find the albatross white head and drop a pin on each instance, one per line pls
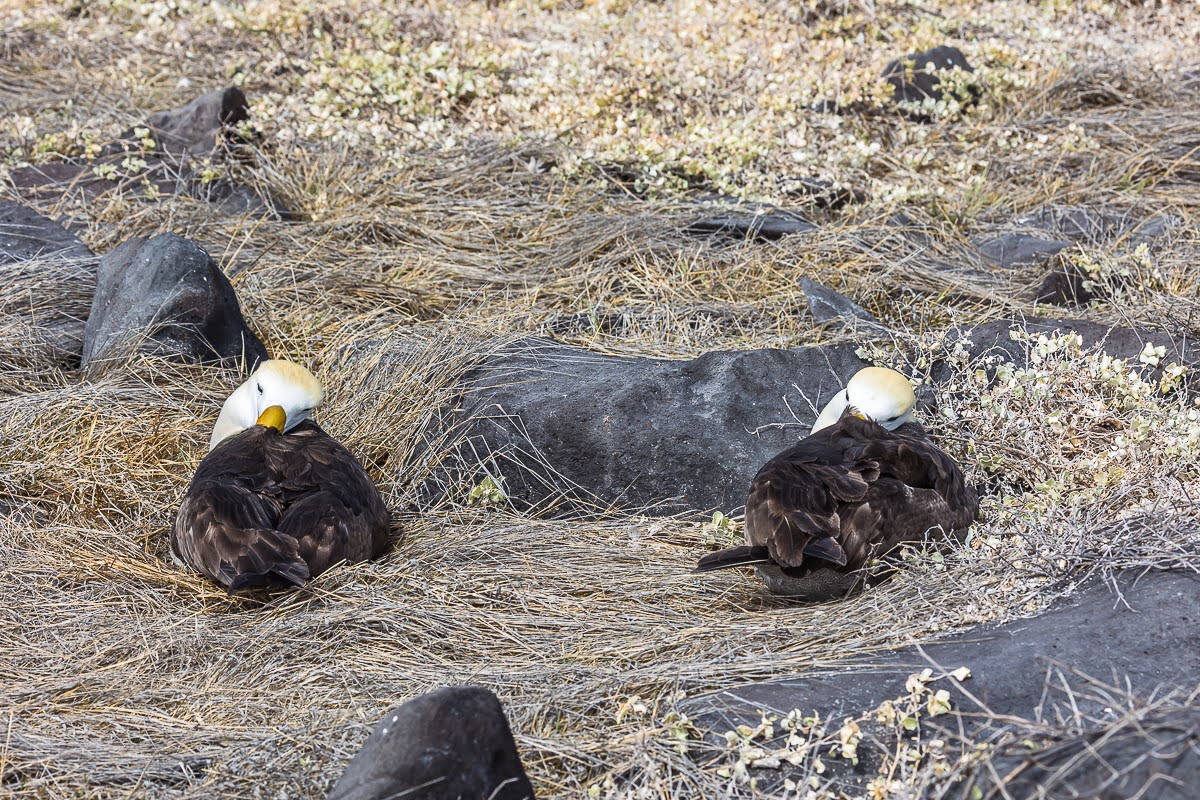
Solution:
(876, 393)
(276, 386)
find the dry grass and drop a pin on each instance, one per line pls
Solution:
(480, 205)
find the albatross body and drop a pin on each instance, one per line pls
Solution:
(276, 499)
(866, 480)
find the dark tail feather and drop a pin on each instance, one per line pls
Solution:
(296, 574)
(273, 558)
(732, 557)
(827, 548)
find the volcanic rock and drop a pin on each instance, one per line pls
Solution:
(756, 221)
(826, 305)
(449, 744)
(662, 436)
(1148, 621)
(1119, 341)
(195, 128)
(130, 166)
(915, 78)
(51, 276)
(1098, 225)
(165, 295)
(1016, 249)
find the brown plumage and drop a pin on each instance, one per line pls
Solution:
(276, 499)
(844, 495)
(267, 507)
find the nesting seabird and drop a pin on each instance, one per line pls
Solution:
(866, 480)
(277, 499)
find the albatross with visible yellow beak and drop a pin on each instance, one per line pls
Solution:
(276, 500)
(866, 480)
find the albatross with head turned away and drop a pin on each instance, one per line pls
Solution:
(276, 500)
(866, 480)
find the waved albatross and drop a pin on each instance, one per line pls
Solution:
(866, 480)
(276, 499)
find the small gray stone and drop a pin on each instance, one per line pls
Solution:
(915, 77)
(1065, 284)
(166, 295)
(1098, 225)
(25, 235)
(1153, 229)
(757, 221)
(822, 193)
(1077, 223)
(825, 304)
(194, 128)
(450, 744)
(1011, 250)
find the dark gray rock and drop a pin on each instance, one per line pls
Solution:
(1153, 228)
(915, 78)
(1014, 249)
(557, 421)
(199, 129)
(757, 221)
(1066, 283)
(1098, 225)
(1077, 223)
(449, 744)
(826, 305)
(822, 193)
(993, 338)
(1151, 753)
(195, 127)
(237, 200)
(26, 235)
(48, 183)
(1155, 620)
(1149, 635)
(166, 295)
(51, 276)
(917, 233)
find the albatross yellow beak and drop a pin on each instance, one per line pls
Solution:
(273, 417)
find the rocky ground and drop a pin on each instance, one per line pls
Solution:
(570, 273)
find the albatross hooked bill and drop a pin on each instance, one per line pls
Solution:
(273, 417)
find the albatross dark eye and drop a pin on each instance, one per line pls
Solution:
(260, 391)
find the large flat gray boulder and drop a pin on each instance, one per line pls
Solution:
(1141, 633)
(560, 422)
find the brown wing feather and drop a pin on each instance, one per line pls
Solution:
(227, 532)
(799, 496)
(331, 506)
(856, 491)
(264, 505)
